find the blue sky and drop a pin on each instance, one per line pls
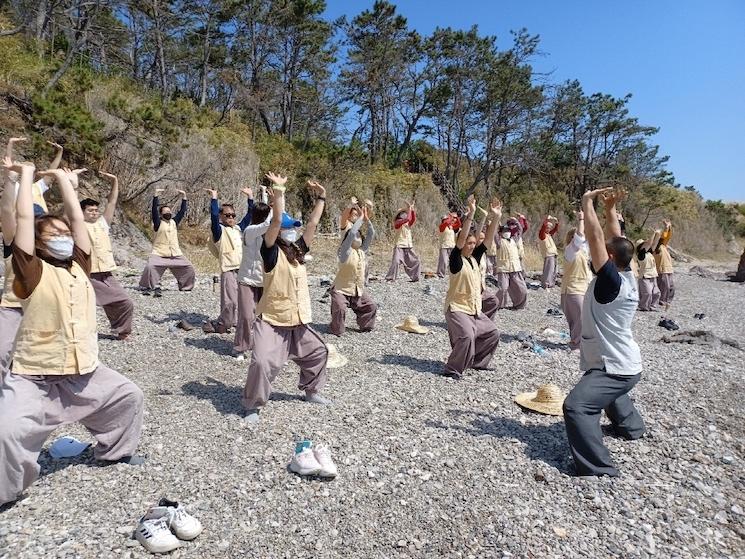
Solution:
(683, 61)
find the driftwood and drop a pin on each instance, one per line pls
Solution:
(699, 337)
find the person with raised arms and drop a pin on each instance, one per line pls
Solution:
(649, 292)
(282, 329)
(110, 294)
(473, 335)
(56, 377)
(403, 248)
(609, 356)
(11, 310)
(167, 253)
(449, 226)
(549, 228)
(576, 278)
(40, 187)
(508, 268)
(664, 263)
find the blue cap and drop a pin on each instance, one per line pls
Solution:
(289, 222)
(38, 211)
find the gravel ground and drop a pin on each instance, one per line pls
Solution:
(428, 466)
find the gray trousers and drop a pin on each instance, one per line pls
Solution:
(667, 288)
(649, 294)
(410, 261)
(117, 305)
(273, 346)
(443, 262)
(571, 306)
(489, 302)
(491, 265)
(362, 305)
(473, 340)
(248, 298)
(32, 407)
(179, 266)
(597, 391)
(10, 320)
(512, 284)
(228, 302)
(550, 271)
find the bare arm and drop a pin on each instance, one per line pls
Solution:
(495, 209)
(8, 204)
(593, 229)
(57, 156)
(315, 215)
(278, 196)
(11, 144)
(24, 234)
(465, 230)
(108, 213)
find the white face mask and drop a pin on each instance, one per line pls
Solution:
(60, 247)
(506, 235)
(289, 235)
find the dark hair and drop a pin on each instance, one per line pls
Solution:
(292, 252)
(222, 208)
(622, 250)
(260, 213)
(88, 202)
(160, 209)
(41, 222)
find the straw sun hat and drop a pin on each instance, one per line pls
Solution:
(335, 359)
(547, 399)
(411, 324)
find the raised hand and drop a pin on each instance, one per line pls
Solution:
(211, 191)
(182, 193)
(277, 180)
(368, 204)
(365, 213)
(316, 188)
(15, 166)
(74, 176)
(495, 208)
(593, 194)
(54, 173)
(248, 192)
(159, 191)
(78, 171)
(17, 140)
(353, 200)
(54, 144)
(471, 205)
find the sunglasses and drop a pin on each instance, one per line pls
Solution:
(228, 216)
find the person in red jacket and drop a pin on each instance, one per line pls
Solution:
(449, 227)
(403, 249)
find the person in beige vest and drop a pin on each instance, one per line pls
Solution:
(664, 263)
(489, 300)
(166, 253)
(56, 377)
(348, 289)
(508, 268)
(403, 247)
(282, 329)
(649, 293)
(473, 335)
(227, 248)
(577, 276)
(549, 251)
(449, 227)
(110, 294)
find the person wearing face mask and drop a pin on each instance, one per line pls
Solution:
(649, 293)
(56, 377)
(664, 264)
(508, 269)
(167, 253)
(609, 356)
(449, 226)
(489, 301)
(549, 251)
(349, 215)
(110, 294)
(403, 249)
(577, 276)
(282, 328)
(473, 335)
(348, 289)
(226, 247)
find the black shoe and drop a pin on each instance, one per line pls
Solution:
(146, 292)
(157, 292)
(452, 375)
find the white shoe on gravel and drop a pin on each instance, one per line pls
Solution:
(155, 535)
(304, 463)
(184, 525)
(322, 454)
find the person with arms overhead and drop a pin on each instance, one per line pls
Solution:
(449, 227)
(403, 249)
(664, 263)
(549, 228)
(649, 293)
(576, 278)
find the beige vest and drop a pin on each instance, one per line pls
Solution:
(635, 267)
(508, 257)
(664, 261)
(577, 275)
(350, 279)
(547, 246)
(403, 237)
(464, 292)
(102, 255)
(447, 238)
(58, 333)
(166, 239)
(228, 250)
(9, 298)
(286, 300)
(647, 267)
(520, 250)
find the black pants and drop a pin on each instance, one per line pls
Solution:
(597, 391)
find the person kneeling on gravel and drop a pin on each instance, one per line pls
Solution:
(349, 285)
(473, 335)
(56, 378)
(282, 329)
(609, 355)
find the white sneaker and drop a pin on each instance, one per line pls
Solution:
(154, 535)
(322, 454)
(184, 525)
(304, 463)
(239, 356)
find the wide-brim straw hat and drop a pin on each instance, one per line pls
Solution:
(335, 359)
(548, 399)
(411, 324)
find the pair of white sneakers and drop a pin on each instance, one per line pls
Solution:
(313, 461)
(161, 528)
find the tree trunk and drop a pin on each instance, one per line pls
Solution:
(205, 64)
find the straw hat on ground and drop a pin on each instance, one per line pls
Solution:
(411, 324)
(335, 359)
(547, 399)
